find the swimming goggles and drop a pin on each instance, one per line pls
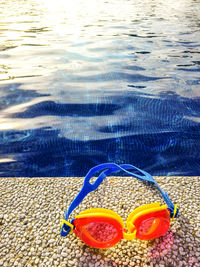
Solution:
(103, 228)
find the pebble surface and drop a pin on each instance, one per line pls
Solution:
(31, 210)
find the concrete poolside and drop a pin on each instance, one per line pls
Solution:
(31, 210)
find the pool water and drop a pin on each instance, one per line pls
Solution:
(88, 82)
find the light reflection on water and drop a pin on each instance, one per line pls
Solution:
(86, 82)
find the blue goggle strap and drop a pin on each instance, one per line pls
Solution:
(108, 169)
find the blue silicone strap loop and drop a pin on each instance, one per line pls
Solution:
(107, 169)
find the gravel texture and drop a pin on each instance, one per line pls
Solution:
(31, 210)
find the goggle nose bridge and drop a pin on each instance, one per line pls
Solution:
(129, 236)
(130, 226)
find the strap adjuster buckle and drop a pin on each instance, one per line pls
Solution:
(175, 212)
(66, 228)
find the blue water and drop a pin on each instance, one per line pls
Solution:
(87, 82)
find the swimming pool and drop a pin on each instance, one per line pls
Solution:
(87, 82)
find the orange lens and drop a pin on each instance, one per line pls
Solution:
(152, 225)
(149, 226)
(99, 232)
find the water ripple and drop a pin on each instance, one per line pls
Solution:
(86, 82)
